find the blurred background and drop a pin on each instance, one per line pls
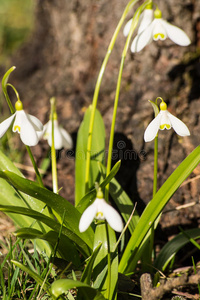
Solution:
(16, 23)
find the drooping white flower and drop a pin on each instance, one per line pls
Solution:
(61, 136)
(145, 20)
(159, 29)
(165, 120)
(26, 125)
(101, 210)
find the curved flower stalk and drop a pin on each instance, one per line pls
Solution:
(101, 210)
(158, 29)
(26, 125)
(61, 136)
(165, 120)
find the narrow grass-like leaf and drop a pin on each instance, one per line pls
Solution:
(87, 273)
(62, 286)
(55, 201)
(50, 223)
(97, 152)
(173, 246)
(155, 207)
(33, 274)
(66, 248)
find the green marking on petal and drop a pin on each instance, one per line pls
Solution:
(163, 126)
(17, 128)
(99, 215)
(162, 36)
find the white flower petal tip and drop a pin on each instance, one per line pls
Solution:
(176, 34)
(61, 136)
(101, 210)
(6, 124)
(179, 127)
(127, 28)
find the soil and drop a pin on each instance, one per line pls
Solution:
(62, 58)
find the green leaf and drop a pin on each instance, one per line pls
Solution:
(55, 201)
(62, 286)
(87, 273)
(50, 223)
(9, 196)
(155, 207)
(66, 248)
(100, 269)
(97, 152)
(89, 197)
(172, 247)
(33, 274)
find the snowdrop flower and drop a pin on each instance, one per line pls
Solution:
(26, 125)
(61, 136)
(144, 21)
(165, 120)
(159, 29)
(101, 210)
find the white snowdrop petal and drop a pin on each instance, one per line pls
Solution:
(176, 34)
(152, 129)
(87, 217)
(178, 126)
(5, 125)
(143, 39)
(145, 19)
(35, 122)
(127, 27)
(165, 122)
(18, 121)
(27, 132)
(159, 32)
(113, 218)
(58, 139)
(67, 140)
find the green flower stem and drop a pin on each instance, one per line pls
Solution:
(53, 150)
(97, 88)
(126, 47)
(155, 177)
(37, 173)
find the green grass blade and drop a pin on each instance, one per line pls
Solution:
(155, 207)
(50, 223)
(172, 247)
(55, 201)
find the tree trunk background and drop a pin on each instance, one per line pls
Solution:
(62, 58)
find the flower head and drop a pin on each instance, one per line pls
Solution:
(61, 136)
(159, 29)
(26, 125)
(101, 210)
(165, 120)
